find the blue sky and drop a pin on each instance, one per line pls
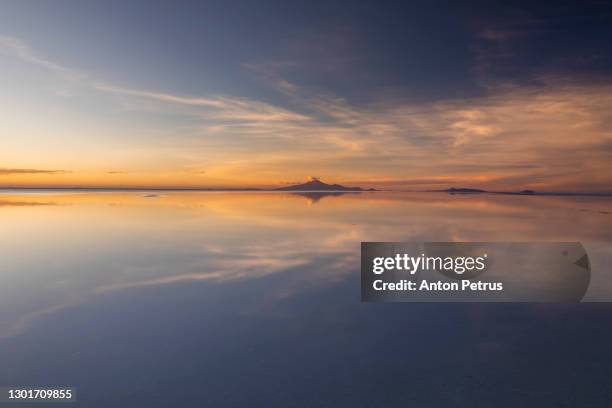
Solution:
(401, 94)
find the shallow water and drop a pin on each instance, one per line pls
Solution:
(252, 299)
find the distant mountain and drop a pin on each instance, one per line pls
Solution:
(522, 192)
(462, 190)
(528, 192)
(318, 185)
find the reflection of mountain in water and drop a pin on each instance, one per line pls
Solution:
(314, 197)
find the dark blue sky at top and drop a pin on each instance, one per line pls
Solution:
(419, 50)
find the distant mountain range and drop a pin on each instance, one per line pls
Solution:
(462, 190)
(318, 185)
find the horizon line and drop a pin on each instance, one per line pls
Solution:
(255, 189)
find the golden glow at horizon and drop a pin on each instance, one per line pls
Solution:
(94, 134)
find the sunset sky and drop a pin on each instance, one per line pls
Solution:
(413, 95)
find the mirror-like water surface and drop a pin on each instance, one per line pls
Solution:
(252, 299)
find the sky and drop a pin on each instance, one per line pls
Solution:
(400, 95)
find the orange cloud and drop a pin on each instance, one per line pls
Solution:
(5, 171)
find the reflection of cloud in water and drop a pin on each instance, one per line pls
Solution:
(223, 271)
(23, 322)
(8, 203)
(93, 248)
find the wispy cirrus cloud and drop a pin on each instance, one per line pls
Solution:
(217, 107)
(23, 51)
